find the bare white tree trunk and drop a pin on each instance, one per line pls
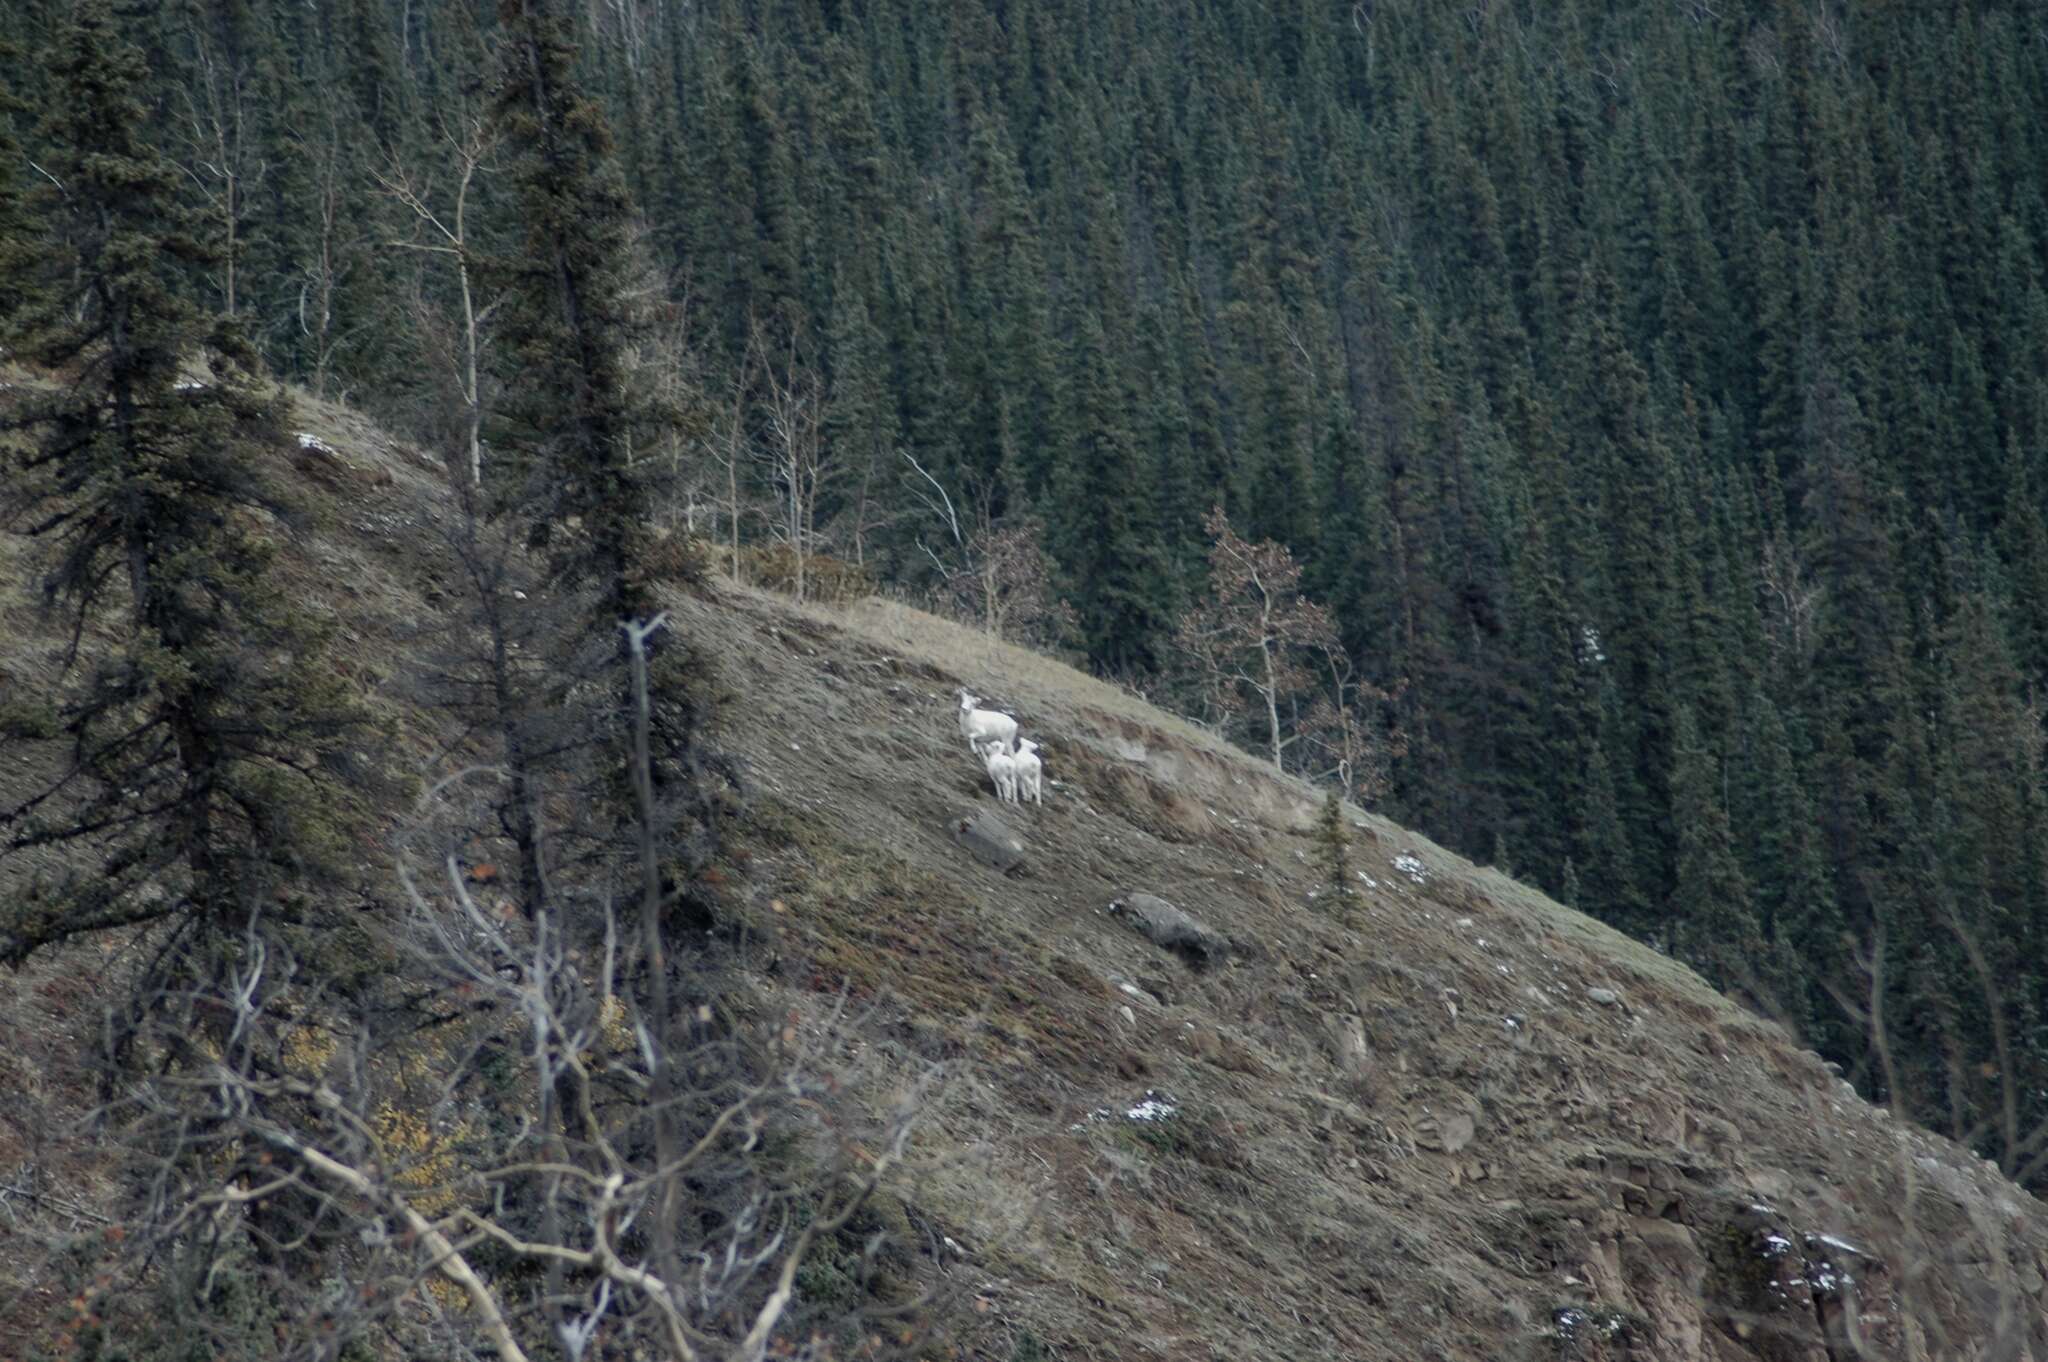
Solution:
(472, 148)
(222, 162)
(1270, 690)
(798, 456)
(331, 261)
(729, 446)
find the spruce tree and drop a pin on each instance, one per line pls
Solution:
(1333, 855)
(1712, 920)
(20, 229)
(1103, 533)
(571, 319)
(201, 738)
(580, 417)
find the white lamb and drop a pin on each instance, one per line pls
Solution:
(1002, 769)
(1028, 772)
(985, 728)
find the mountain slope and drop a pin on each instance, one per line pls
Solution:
(1433, 1131)
(1466, 1123)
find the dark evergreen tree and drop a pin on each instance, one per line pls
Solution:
(581, 416)
(1102, 533)
(20, 227)
(201, 743)
(1333, 852)
(1712, 921)
(573, 318)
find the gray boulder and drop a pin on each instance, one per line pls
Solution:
(988, 839)
(1168, 927)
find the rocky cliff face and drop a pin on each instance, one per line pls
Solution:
(1196, 1105)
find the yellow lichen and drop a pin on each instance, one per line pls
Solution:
(612, 1024)
(424, 1161)
(307, 1051)
(446, 1294)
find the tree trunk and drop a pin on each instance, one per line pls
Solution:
(1271, 690)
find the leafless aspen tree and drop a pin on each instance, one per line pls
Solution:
(1342, 726)
(222, 161)
(334, 254)
(1005, 580)
(729, 445)
(929, 493)
(794, 449)
(444, 231)
(1252, 634)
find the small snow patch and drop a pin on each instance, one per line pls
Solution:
(1829, 1241)
(1153, 1108)
(1412, 868)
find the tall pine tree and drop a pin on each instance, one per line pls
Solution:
(201, 739)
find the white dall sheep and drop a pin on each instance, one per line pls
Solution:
(1002, 769)
(1028, 771)
(985, 729)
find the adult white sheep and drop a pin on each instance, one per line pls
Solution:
(1002, 769)
(985, 729)
(1029, 770)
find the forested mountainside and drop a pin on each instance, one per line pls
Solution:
(1654, 396)
(1382, 1105)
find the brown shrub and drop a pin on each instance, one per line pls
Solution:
(828, 580)
(679, 559)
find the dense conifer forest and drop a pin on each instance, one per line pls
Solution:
(1652, 394)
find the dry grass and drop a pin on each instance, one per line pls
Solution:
(1403, 1134)
(1496, 1146)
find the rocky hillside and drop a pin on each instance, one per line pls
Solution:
(1448, 1119)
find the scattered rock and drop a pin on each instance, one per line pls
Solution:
(1448, 1133)
(1132, 991)
(1606, 997)
(1168, 927)
(988, 839)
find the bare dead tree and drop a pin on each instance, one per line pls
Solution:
(672, 370)
(647, 1201)
(931, 495)
(868, 512)
(1005, 581)
(1792, 602)
(729, 444)
(444, 231)
(223, 161)
(1342, 726)
(334, 255)
(1251, 636)
(795, 452)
